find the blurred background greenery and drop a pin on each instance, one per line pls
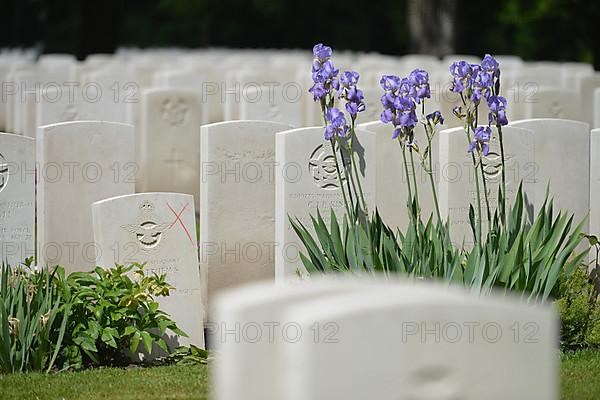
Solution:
(562, 30)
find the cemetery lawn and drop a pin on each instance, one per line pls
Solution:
(579, 374)
(168, 382)
(579, 381)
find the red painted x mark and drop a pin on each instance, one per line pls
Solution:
(178, 218)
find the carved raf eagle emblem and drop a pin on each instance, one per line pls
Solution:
(148, 231)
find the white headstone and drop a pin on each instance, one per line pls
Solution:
(547, 73)
(17, 198)
(596, 101)
(255, 315)
(9, 91)
(306, 181)
(373, 107)
(573, 72)
(587, 85)
(169, 146)
(158, 229)
(237, 207)
(205, 81)
(239, 81)
(427, 345)
(595, 183)
(553, 103)
(64, 104)
(276, 104)
(79, 163)
(457, 177)
(392, 191)
(561, 148)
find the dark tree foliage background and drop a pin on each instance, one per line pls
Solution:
(533, 29)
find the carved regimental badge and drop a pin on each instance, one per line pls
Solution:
(3, 172)
(148, 229)
(70, 113)
(174, 111)
(492, 163)
(556, 109)
(322, 167)
(273, 112)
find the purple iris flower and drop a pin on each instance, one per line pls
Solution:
(336, 123)
(326, 73)
(404, 104)
(390, 83)
(355, 102)
(419, 80)
(462, 76)
(497, 115)
(322, 52)
(490, 65)
(325, 78)
(482, 85)
(387, 100)
(481, 140)
(406, 89)
(407, 119)
(318, 91)
(406, 115)
(398, 132)
(349, 79)
(435, 118)
(460, 69)
(387, 116)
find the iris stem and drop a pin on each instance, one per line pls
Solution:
(414, 175)
(337, 165)
(355, 168)
(477, 189)
(432, 181)
(503, 197)
(485, 190)
(406, 172)
(339, 174)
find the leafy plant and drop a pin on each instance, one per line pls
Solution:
(514, 253)
(579, 308)
(185, 355)
(425, 250)
(34, 311)
(114, 316)
(521, 257)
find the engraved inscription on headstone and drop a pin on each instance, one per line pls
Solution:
(4, 173)
(70, 113)
(174, 111)
(17, 198)
(148, 229)
(322, 167)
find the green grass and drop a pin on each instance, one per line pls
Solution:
(579, 376)
(172, 382)
(579, 381)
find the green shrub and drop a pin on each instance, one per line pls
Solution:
(114, 316)
(33, 318)
(98, 318)
(519, 256)
(578, 303)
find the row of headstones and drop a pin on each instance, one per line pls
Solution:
(166, 132)
(365, 339)
(244, 86)
(253, 175)
(68, 199)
